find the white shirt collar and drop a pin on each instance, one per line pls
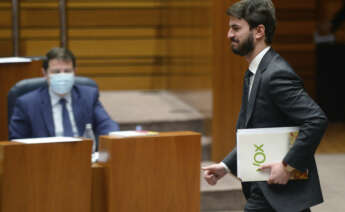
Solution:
(254, 65)
(54, 98)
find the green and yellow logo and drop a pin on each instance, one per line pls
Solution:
(259, 156)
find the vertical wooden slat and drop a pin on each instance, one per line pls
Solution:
(15, 27)
(63, 23)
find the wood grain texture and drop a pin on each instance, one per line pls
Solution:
(161, 31)
(228, 73)
(6, 47)
(10, 74)
(51, 177)
(188, 31)
(156, 173)
(99, 189)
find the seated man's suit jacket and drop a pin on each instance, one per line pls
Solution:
(32, 116)
(278, 99)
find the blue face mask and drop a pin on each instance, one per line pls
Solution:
(62, 83)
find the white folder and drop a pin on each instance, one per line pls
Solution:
(259, 146)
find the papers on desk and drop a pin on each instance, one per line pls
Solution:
(132, 133)
(47, 140)
(256, 147)
(14, 60)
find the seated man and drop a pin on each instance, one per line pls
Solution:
(61, 108)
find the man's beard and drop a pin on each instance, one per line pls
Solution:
(246, 47)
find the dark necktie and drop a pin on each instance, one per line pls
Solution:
(67, 126)
(246, 87)
(243, 113)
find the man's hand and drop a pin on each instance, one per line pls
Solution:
(279, 175)
(213, 173)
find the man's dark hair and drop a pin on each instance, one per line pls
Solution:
(256, 12)
(59, 54)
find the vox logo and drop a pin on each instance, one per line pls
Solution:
(259, 156)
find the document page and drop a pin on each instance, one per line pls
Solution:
(47, 140)
(14, 60)
(132, 133)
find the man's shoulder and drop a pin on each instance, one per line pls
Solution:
(278, 64)
(85, 89)
(33, 95)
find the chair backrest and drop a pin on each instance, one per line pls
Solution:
(27, 85)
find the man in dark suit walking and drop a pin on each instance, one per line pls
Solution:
(273, 96)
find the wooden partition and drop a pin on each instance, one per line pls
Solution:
(149, 174)
(10, 74)
(52, 177)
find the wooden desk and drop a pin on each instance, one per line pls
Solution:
(148, 174)
(54, 177)
(10, 74)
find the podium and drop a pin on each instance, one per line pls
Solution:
(148, 174)
(54, 177)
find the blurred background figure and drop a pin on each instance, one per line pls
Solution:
(330, 68)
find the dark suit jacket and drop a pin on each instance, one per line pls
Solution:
(32, 116)
(278, 99)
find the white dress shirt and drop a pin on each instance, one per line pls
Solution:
(254, 65)
(57, 113)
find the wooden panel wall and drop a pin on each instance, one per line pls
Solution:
(227, 84)
(188, 45)
(5, 30)
(120, 44)
(293, 40)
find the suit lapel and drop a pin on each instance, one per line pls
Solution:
(242, 116)
(47, 114)
(255, 87)
(252, 97)
(77, 112)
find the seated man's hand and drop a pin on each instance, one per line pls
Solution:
(213, 173)
(278, 173)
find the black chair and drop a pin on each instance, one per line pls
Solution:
(27, 85)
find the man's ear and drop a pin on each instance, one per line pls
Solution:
(44, 73)
(260, 32)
